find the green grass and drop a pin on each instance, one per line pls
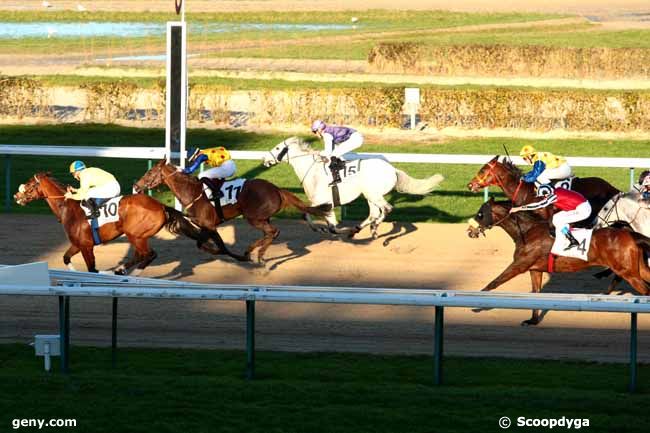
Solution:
(451, 203)
(204, 391)
(574, 36)
(370, 22)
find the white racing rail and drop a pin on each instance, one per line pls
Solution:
(156, 153)
(66, 284)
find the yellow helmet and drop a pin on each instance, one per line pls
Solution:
(527, 150)
(218, 154)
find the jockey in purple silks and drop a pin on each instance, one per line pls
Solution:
(338, 140)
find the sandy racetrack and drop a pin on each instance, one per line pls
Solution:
(422, 256)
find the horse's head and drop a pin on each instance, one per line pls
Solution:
(494, 172)
(154, 177)
(491, 213)
(31, 190)
(283, 152)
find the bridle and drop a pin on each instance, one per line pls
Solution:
(32, 189)
(481, 180)
(285, 151)
(615, 209)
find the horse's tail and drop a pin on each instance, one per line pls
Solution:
(176, 223)
(409, 185)
(290, 199)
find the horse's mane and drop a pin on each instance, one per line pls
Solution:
(47, 174)
(511, 167)
(303, 144)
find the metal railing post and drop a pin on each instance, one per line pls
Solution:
(438, 339)
(8, 183)
(632, 182)
(114, 334)
(633, 351)
(250, 339)
(149, 165)
(485, 194)
(64, 332)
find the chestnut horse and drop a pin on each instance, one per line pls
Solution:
(141, 217)
(508, 176)
(619, 249)
(258, 201)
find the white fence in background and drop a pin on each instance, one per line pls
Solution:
(156, 153)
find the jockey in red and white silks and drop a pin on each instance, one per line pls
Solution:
(573, 207)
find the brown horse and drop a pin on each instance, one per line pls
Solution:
(257, 202)
(508, 176)
(618, 249)
(141, 217)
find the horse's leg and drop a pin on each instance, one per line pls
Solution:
(89, 258)
(612, 285)
(68, 255)
(145, 255)
(373, 215)
(515, 268)
(384, 209)
(536, 284)
(270, 233)
(216, 237)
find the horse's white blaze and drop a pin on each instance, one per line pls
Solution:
(375, 178)
(21, 188)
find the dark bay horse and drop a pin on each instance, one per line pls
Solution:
(141, 217)
(508, 176)
(620, 250)
(258, 201)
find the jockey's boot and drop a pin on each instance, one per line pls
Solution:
(573, 242)
(335, 166)
(92, 205)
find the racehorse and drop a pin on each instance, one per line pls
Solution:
(257, 202)
(620, 250)
(141, 217)
(508, 176)
(627, 208)
(372, 177)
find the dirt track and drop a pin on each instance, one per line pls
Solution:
(424, 256)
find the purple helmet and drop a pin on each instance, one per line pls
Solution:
(317, 125)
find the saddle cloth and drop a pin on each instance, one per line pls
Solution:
(583, 236)
(562, 183)
(108, 211)
(351, 168)
(229, 191)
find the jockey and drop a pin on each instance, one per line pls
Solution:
(546, 166)
(338, 140)
(644, 182)
(94, 183)
(573, 208)
(221, 164)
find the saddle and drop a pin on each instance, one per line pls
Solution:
(215, 186)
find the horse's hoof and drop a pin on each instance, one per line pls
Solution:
(385, 243)
(529, 322)
(477, 310)
(120, 271)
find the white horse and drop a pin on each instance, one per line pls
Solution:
(373, 177)
(629, 208)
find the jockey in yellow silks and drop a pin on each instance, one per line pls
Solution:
(94, 183)
(218, 158)
(546, 166)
